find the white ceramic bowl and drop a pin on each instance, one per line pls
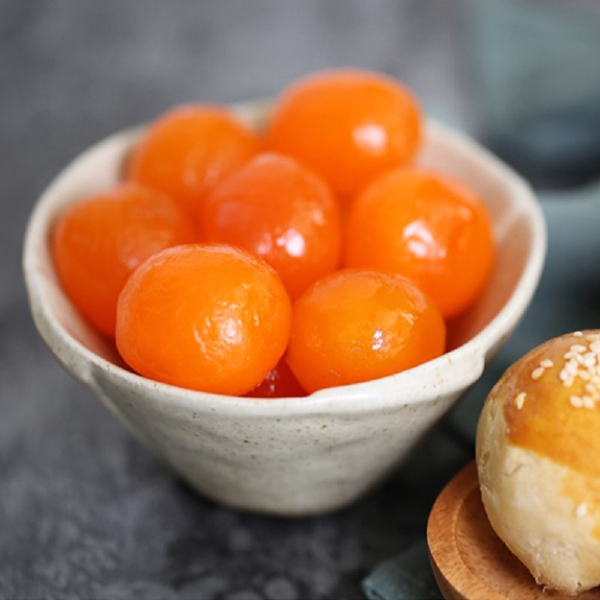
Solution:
(293, 456)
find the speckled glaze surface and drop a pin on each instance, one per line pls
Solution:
(299, 455)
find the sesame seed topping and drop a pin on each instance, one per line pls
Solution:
(582, 363)
(581, 510)
(546, 363)
(537, 373)
(578, 333)
(588, 402)
(566, 378)
(571, 367)
(576, 401)
(520, 400)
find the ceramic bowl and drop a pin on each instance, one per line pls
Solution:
(293, 456)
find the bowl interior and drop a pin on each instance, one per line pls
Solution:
(517, 221)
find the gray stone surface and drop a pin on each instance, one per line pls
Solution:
(85, 512)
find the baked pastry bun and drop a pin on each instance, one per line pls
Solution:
(538, 460)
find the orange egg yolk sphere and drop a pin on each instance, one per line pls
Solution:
(190, 149)
(100, 241)
(425, 226)
(277, 209)
(205, 317)
(353, 326)
(346, 125)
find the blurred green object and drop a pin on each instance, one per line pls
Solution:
(534, 67)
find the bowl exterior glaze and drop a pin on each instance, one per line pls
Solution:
(293, 456)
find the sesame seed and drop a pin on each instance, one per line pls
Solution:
(571, 367)
(537, 373)
(520, 400)
(581, 510)
(578, 333)
(588, 402)
(576, 401)
(546, 363)
(578, 348)
(566, 378)
(595, 347)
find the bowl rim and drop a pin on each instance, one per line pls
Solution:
(461, 366)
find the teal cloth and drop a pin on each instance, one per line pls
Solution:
(567, 299)
(406, 576)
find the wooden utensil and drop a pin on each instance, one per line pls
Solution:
(469, 561)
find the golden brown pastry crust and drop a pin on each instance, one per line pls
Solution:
(538, 458)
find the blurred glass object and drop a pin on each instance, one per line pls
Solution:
(535, 68)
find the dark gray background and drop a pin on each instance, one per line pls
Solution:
(85, 512)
